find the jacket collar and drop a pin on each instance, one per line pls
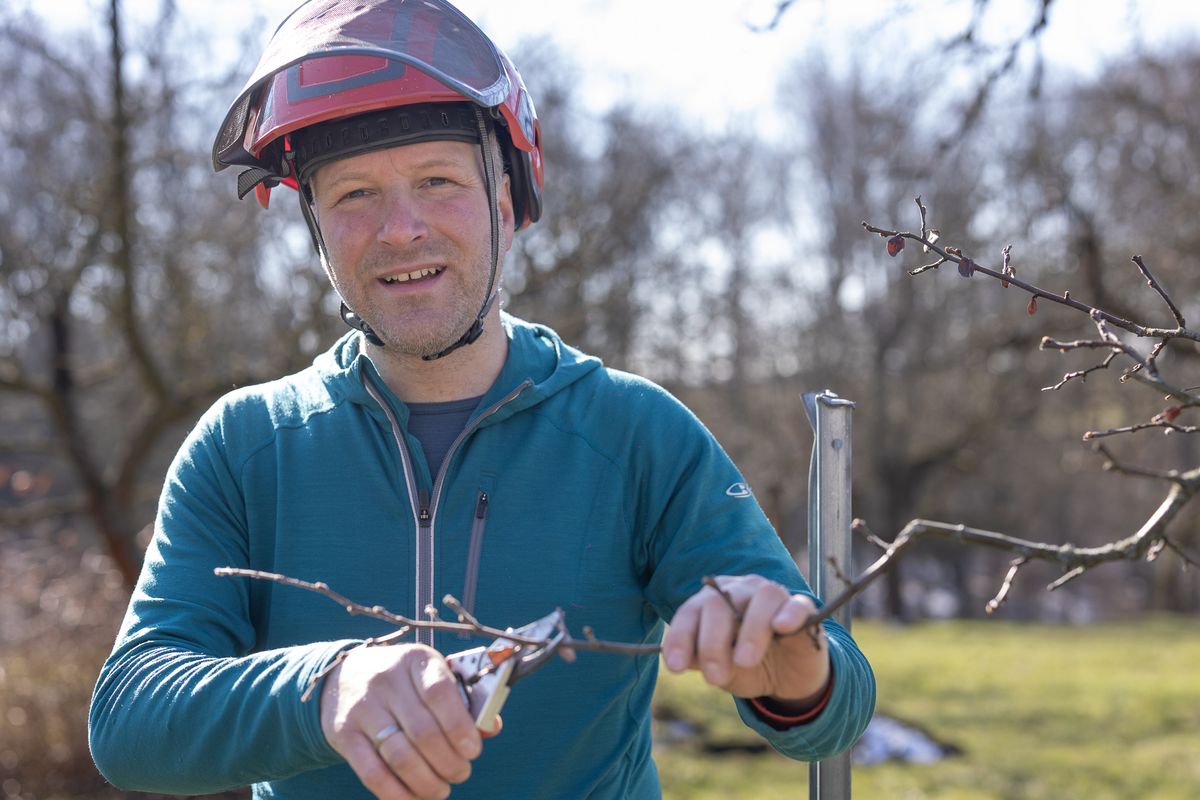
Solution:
(536, 356)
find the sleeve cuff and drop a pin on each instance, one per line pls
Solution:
(782, 722)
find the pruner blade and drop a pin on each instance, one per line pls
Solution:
(485, 674)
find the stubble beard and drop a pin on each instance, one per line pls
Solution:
(408, 325)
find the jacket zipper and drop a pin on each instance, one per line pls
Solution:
(478, 524)
(425, 507)
(418, 500)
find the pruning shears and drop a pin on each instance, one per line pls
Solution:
(486, 674)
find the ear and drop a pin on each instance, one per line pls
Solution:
(507, 222)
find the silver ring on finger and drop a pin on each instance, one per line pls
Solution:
(384, 734)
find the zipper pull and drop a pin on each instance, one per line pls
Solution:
(481, 507)
(423, 500)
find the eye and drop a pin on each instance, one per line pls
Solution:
(353, 194)
(437, 181)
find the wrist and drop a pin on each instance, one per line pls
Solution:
(782, 713)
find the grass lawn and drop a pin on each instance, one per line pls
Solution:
(1041, 712)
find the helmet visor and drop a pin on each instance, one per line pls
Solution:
(429, 35)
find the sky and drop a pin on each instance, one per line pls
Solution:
(705, 58)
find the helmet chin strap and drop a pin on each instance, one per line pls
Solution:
(486, 143)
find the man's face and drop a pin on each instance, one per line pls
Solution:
(408, 233)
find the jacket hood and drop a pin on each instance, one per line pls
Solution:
(539, 365)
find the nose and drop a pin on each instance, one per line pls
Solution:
(403, 220)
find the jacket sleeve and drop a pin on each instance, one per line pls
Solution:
(181, 704)
(698, 518)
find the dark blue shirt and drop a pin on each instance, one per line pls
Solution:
(436, 425)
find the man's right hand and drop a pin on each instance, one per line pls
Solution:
(397, 716)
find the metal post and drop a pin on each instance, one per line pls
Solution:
(829, 518)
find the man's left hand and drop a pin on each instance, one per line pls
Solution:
(755, 657)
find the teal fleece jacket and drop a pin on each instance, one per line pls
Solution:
(573, 486)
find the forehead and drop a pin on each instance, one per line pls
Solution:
(400, 159)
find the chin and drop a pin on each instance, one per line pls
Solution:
(411, 342)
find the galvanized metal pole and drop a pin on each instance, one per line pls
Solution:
(829, 518)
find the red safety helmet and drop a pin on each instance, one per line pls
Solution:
(334, 59)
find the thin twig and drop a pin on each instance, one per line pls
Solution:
(927, 267)
(1072, 558)
(1151, 538)
(1083, 373)
(468, 625)
(860, 527)
(375, 612)
(1064, 299)
(1151, 360)
(1141, 426)
(711, 583)
(1188, 561)
(1153, 283)
(1002, 595)
(1112, 465)
(374, 641)
(837, 571)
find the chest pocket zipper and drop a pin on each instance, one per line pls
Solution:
(478, 525)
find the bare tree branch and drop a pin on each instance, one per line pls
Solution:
(1151, 537)
(967, 40)
(1075, 560)
(1153, 283)
(1141, 426)
(1002, 595)
(467, 623)
(1038, 292)
(1112, 465)
(1081, 374)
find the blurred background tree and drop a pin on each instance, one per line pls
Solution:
(729, 265)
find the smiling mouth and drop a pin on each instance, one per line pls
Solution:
(414, 276)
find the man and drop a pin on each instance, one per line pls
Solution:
(441, 447)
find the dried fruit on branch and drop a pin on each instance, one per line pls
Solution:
(895, 245)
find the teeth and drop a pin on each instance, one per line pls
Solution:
(412, 276)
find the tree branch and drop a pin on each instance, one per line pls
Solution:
(1151, 538)
(1153, 283)
(1064, 299)
(466, 623)
(1075, 560)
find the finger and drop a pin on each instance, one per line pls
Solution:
(411, 767)
(679, 646)
(497, 726)
(757, 629)
(372, 770)
(714, 639)
(416, 707)
(793, 614)
(444, 698)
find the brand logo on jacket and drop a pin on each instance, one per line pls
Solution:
(739, 490)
